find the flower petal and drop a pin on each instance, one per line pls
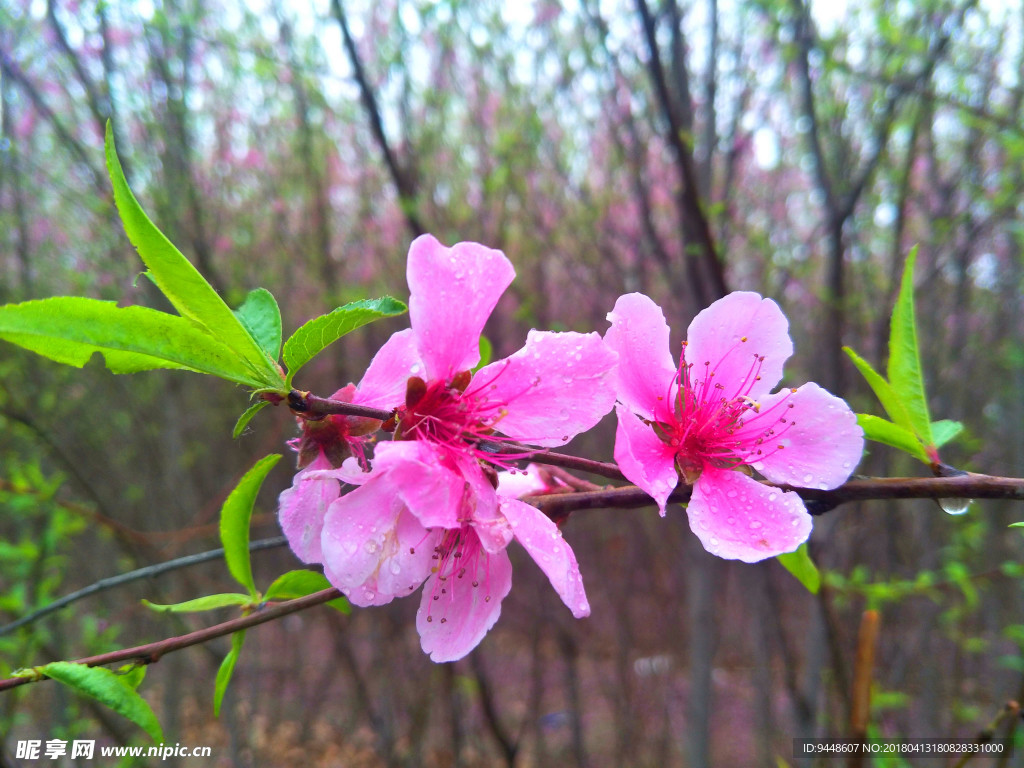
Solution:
(640, 336)
(738, 518)
(454, 623)
(452, 293)
(526, 482)
(303, 506)
(823, 443)
(556, 386)
(644, 459)
(384, 383)
(355, 532)
(542, 539)
(429, 488)
(729, 336)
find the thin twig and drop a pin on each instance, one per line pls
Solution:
(152, 652)
(125, 578)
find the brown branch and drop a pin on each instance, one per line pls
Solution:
(400, 178)
(694, 223)
(968, 486)
(152, 652)
(860, 706)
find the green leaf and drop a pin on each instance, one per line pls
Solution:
(182, 284)
(799, 564)
(904, 369)
(245, 418)
(882, 431)
(293, 584)
(945, 430)
(261, 317)
(234, 521)
(132, 674)
(486, 353)
(207, 603)
(1016, 525)
(109, 689)
(70, 329)
(888, 397)
(227, 668)
(312, 337)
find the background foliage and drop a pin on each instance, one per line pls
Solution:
(301, 147)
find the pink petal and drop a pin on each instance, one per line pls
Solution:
(432, 491)
(528, 482)
(383, 385)
(644, 459)
(639, 334)
(303, 506)
(738, 518)
(542, 539)
(716, 336)
(452, 293)
(823, 443)
(480, 507)
(453, 625)
(556, 386)
(360, 532)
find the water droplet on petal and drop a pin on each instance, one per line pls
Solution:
(808, 478)
(395, 567)
(370, 546)
(772, 496)
(755, 524)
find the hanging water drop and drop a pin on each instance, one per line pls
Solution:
(955, 506)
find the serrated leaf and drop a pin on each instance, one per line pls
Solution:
(245, 418)
(888, 397)
(235, 516)
(71, 329)
(261, 317)
(187, 290)
(226, 669)
(109, 689)
(300, 583)
(882, 431)
(799, 564)
(945, 430)
(207, 603)
(312, 337)
(904, 368)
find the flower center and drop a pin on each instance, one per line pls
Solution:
(457, 415)
(720, 424)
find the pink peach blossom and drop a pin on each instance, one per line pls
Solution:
(712, 421)
(428, 510)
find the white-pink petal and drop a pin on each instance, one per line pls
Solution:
(822, 442)
(557, 386)
(715, 342)
(542, 539)
(452, 293)
(356, 536)
(738, 518)
(645, 460)
(301, 508)
(454, 623)
(645, 372)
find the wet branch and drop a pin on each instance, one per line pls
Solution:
(152, 652)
